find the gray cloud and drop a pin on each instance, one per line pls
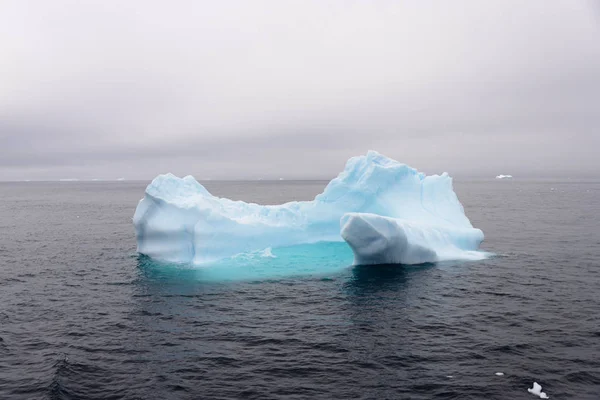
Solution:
(238, 89)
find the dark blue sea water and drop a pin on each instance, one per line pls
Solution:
(82, 316)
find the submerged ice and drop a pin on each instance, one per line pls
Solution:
(388, 212)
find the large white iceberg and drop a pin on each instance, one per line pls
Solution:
(388, 212)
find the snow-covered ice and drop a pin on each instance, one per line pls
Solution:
(388, 211)
(537, 390)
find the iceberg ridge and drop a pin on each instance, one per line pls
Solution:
(178, 220)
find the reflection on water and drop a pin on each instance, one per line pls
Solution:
(371, 278)
(199, 322)
(373, 291)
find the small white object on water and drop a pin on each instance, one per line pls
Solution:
(537, 390)
(449, 376)
(500, 373)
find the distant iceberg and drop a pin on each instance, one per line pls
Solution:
(388, 212)
(504, 176)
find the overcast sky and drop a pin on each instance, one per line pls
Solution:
(247, 89)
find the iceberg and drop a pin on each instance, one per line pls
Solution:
(504, 176)
(386, 211)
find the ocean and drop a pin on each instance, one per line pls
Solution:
(83, 316)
